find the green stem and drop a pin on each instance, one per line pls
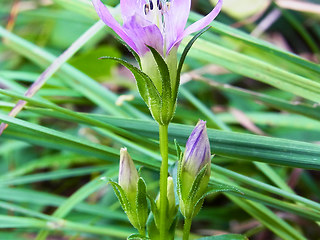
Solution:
(163, 138)
(186, 228)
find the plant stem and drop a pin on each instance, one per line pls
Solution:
(186, 228)
(163, 138)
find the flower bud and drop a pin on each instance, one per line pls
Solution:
(131, 192)
(171, 214)
(197, 153)
(171, 207)
(194, 170)
(170, 196)
(128, 175)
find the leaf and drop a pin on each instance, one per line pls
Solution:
(154, 210)
(183, 57)
(179, 152)
(225, 237)
(71, 76)
(142, 205)
(196, 183)
(218, 188)
(272, 150)
(258, 69)
(167, 101)
(136, 56)
(87, 62)
(121, 196)
(137, 236)
(147, 89)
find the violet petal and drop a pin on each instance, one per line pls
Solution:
(109, 20)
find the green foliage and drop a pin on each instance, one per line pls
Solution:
(58, 154)
(87, 62)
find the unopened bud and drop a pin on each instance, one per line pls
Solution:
(197, 153)
(194, 170)
(128, 174)
(170, 196)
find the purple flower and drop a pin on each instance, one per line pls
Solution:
(197, 153)
(157, 23)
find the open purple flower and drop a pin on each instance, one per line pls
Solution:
(152, 28)
(156, 23)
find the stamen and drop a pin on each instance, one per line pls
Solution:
(168, 5)
(146, 9)
(159, 4)
(151, 4)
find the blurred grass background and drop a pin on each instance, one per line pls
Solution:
(256, 71)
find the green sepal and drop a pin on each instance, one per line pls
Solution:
(133, 52)
(137, 236)
(178, 149)
(225, 237)
(183, 57)
(189, 203)
(166, 95)
(196, 183)
(173, 214)
(179, 172)
(153, 228)
(172, 229)
(153, 231)
(219, 188)
(146, 87)
(141, 204)
(154, 210)
(121, 195)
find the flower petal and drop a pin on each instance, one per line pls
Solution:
(175, 20)
(131, 7)
(197, 152)
(109, 20)
(200, 24)
(144, 33)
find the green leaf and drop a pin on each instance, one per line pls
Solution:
(225, 237)
(196, 184)
(183, 57)
(88, 63)
(63, 204)
(121, 196)
(154, 210)
(179, 152)
(147, 89)
(61, 224)
(272, 150)
(136, 56)
(258, 69)
(71, 76)
(218, 188)
(136, 236)
(142, 205)
(167, 101)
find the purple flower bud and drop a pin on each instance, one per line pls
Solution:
(194, 171)
(128, 175)
(197, 153)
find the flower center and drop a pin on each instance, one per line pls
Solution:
(154, 11)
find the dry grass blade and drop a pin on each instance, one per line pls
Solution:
(299, 6)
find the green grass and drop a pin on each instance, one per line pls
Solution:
(57, 155)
